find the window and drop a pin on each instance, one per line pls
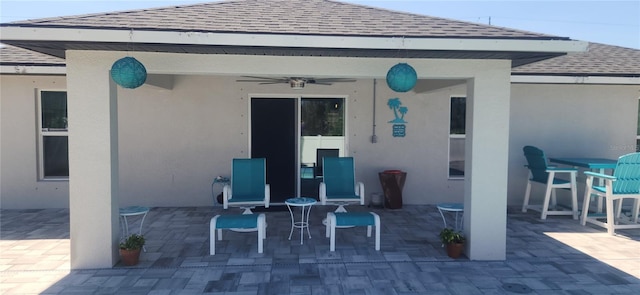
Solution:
(322, 130)
(53, 135)
(323, 116)
(457, 136)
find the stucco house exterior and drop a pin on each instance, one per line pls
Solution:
(483, 92)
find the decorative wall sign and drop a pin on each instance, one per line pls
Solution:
(399, 111)
(399, 130)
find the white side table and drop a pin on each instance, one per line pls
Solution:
(222, 181)
(302, 202)
(456, 208)
(132, 211)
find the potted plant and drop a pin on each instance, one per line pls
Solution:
(130, 249)
(454, 241)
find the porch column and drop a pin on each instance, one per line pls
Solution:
(93, 161)
(486, 164)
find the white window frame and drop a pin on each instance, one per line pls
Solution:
(452, 137)
(42, 133)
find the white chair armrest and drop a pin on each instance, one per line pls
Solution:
(607, 178)
(226, 195)
(323, 193)
(360, 192)
(599, 175)
(267, 195)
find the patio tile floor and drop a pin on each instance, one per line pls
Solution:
(553, 256)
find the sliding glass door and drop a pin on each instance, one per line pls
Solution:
(322, 134)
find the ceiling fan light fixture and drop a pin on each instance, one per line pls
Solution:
(296, 83)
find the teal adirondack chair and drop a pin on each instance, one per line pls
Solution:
(624, 184)
(248, 187)
(339, 185)
(540, 172)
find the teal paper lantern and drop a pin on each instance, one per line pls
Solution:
(128, 72)
(402, 77)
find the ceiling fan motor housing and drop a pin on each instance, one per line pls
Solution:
(297, 83)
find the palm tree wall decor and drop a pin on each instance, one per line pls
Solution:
(399, 111)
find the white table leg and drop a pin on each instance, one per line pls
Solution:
(301, 224)
(600, 183)
(293, 222)
(307, 222)
(444, 220)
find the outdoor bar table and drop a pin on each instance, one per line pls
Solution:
(595, 164)
(592, 163)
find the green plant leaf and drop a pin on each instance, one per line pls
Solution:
(449, 236)
(132, 242)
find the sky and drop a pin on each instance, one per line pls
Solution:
(608, 22)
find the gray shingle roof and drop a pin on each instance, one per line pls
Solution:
(299, 17)
(314, 17)
(15, 56)
(598, 60)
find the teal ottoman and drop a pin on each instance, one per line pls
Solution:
(348, 219)
(241, 221)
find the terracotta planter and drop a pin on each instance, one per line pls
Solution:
(130, 257)
(455, 250)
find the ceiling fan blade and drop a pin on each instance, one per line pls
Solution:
(263, 79)
(265, 83)
(250, 80)
(328, 80)
(321, 83)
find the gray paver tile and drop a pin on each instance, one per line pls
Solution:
(555, 256)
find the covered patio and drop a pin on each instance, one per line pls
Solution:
(556, 255)
(196, 115)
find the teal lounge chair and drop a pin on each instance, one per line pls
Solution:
(624, 184)
(339, 185)
(248, 187)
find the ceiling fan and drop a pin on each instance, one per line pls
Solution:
(295, 82)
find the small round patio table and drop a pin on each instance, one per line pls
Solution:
(302, 202)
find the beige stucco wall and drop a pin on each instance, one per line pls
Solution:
(19, 183)
(173, 142)
(569, 121)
